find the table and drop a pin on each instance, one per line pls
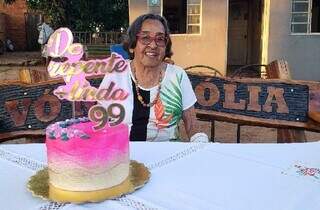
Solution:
(188, 176)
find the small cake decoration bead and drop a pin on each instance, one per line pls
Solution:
(68, 122)
(64, 137)
(72, 121)
(83, 119)
(84, 136)
(52, 135)
(63, 125)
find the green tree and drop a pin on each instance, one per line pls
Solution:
(54, 10)
(82, 15)
(7, 1)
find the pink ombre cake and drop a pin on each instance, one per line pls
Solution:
(82, 159)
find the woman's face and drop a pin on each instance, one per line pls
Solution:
(151, 44)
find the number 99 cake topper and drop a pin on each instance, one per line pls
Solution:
(67, 64)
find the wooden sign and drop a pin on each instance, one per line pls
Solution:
(262, 100)
(273, 103)
(29, 109)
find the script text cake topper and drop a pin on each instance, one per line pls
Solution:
(67, 63)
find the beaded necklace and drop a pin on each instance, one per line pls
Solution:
(140, 98)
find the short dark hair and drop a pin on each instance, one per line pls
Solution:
(131, 39)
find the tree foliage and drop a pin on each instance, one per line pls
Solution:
(8, 1)
(106, 14)
(83, 15)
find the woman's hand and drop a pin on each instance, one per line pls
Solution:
(192, 127)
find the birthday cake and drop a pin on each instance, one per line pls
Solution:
(81, 159)
(88, 160)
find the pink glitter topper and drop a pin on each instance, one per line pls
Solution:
(74, 72)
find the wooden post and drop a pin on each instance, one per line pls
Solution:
(33, 76)
(290, 135)
(279, 69)
(24, 76)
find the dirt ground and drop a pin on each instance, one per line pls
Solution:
(10, 63)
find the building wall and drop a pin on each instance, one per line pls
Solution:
(301, 51)
(208, 48)
(15, 23)
(137, 8)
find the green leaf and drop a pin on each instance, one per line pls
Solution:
(171, 103)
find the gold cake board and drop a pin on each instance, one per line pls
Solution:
(39, 186)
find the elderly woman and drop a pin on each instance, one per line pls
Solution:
(161, 92)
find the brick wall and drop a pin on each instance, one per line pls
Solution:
(15, 22)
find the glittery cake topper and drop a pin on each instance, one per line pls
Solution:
(66, 63)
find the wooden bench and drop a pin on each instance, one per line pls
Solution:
(287, 131)
(33, 76)
(27, 109)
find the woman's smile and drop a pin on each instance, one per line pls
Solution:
(152, 54)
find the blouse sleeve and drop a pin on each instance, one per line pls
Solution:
(188, 95)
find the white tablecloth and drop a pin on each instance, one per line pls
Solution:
(188, 176)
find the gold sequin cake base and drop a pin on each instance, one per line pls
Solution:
(39, 186)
